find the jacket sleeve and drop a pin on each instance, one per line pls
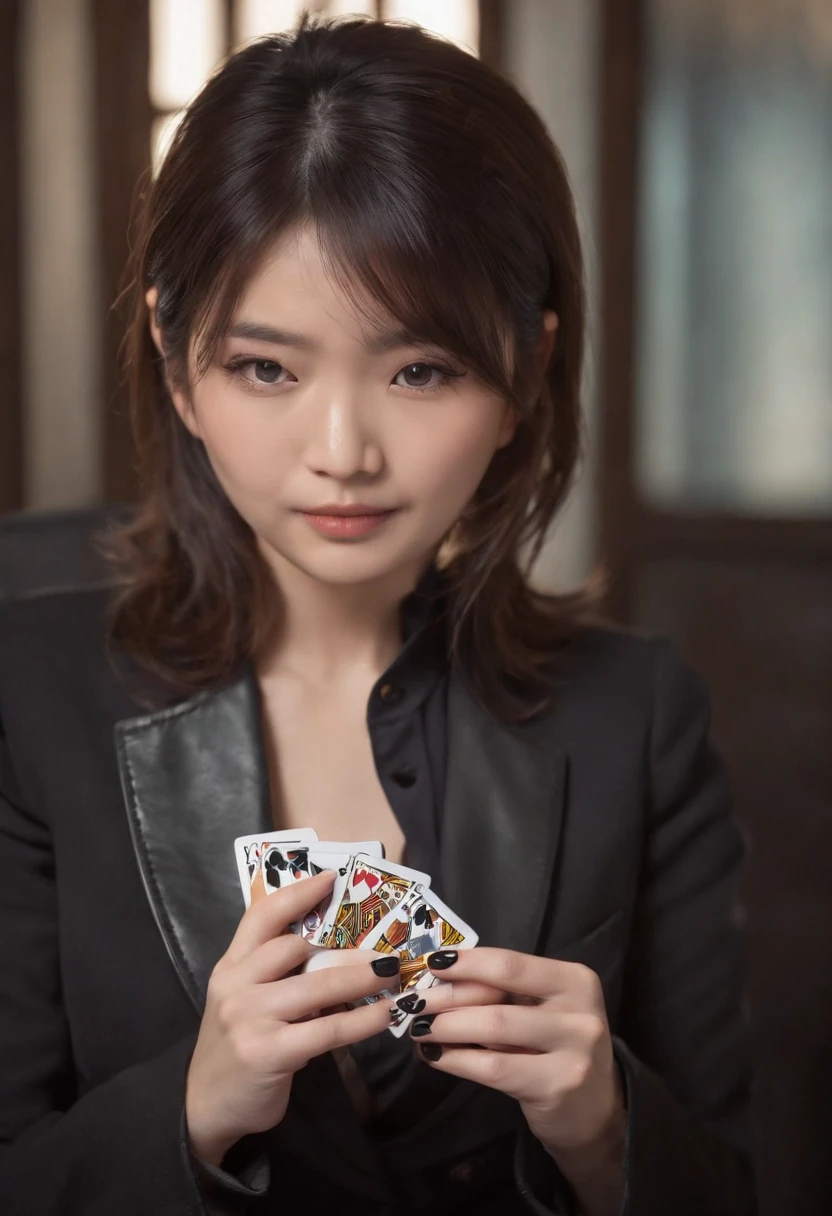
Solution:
(682, 1041)
(121, 1147)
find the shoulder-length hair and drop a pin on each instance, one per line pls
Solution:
(436, 192)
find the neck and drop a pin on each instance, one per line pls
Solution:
(328, 630)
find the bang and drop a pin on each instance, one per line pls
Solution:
(389, 265)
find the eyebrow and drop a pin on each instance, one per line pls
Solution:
(381, 343)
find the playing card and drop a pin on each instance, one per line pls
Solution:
(372, 847)
(278, 861)
(420, 924)
(331, 855)
(282, 863)
(248, 852)
(371, 890)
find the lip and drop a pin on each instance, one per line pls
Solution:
(354, 508)
(346, 525)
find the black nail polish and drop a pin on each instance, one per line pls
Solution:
(385, 966)
(412, 1003)
(422, 1026)
(431, 1051)
(442, 959)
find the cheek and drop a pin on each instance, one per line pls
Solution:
(447, 459)
(240, 447)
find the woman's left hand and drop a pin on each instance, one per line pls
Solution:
(543, 1039)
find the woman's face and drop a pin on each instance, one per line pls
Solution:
(305, 410)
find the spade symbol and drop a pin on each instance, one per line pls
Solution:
(275, 863)
(422, 917)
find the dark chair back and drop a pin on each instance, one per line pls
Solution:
(53, 550)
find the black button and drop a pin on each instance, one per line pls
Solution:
(404, 776)
(390, 693)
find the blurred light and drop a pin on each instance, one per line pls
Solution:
(186, 44)
(257, 17)
(735, 260)
(457, 20)
(343, 8)
(162, 131)
(808, 22)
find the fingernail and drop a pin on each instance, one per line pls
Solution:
(431, 1051)
(385, 966)
(422, 1026)
(442, 959)
(412, 1003)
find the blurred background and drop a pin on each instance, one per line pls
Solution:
(698, 135)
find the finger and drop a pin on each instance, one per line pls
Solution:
(322, 957)
(271, 916)
(308, 1039)
(526, 1078)
(273, 959)
(530, 1027)
(449, 995)
(511, 971)
(299, 995)
(347, 957)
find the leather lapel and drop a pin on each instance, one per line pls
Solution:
(502, 817)
(194, 777)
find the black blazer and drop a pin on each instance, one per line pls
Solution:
(604, 825)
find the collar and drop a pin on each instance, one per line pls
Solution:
(424, 658)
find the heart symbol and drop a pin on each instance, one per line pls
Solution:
(366, 876)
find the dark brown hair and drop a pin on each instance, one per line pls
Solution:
(434, 188)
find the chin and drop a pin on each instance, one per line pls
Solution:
(340, 563)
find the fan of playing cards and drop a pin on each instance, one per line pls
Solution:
(374, 904)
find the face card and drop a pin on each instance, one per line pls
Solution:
(371, 890)
(332, 855)
(322, 860)
(374, 848)
(248, 853)
(419, 925)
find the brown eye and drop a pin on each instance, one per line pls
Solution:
(418, 373)
(418, 376)
(265, 371)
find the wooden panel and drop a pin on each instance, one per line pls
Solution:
(123, 112)
(492, 33)
(11, 336)
(750, 602)
(662, 534)
(760, 631)
(621, 89)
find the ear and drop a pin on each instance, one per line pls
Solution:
(181, 401)
(508, 426)
(546, 341)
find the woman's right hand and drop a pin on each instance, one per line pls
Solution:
(260, 1024)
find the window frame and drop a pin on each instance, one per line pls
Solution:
(11, 274)
(491, 38)
(631, 531)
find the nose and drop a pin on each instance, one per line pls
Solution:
(340, 444)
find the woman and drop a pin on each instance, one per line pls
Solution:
(354, 359)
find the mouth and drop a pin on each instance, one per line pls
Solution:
(355, 508)
(347, 523)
